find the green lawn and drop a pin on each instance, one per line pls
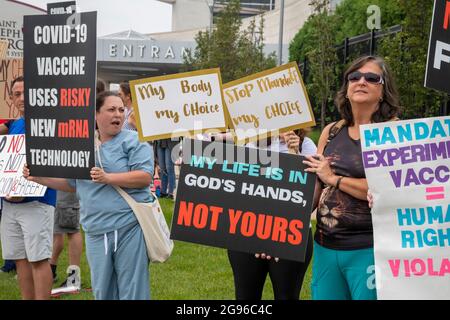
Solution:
(192, 272)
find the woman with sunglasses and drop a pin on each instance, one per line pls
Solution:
(343, 243)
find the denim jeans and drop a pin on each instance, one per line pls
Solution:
(167, 173)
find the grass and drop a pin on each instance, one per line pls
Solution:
(193, 272)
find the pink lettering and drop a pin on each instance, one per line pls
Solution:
(445, 268)
(395, 267)
(419, 267)
(422, 265)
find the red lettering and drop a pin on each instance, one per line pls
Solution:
(74, 100)
(63, 97)
(296, 236)
(78, 128)
(75, 97)
(234, 219)
(279, 229)
(185, 213)
(264, 227)
(215, 217)
(200, 216)
(248, 224)
(16, 144)
(72, 128)
(447, 15)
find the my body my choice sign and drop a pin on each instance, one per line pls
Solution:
(407, 165)
(243, 199)
(178, 104)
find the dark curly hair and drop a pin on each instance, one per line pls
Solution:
(389, 106)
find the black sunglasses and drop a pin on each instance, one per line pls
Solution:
(369, 76)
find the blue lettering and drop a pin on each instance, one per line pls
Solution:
(372, 137)
(444, 235)
(404, 133)
(421, 130)
(388, 136)
(437, 129)
(225, 167)
(407, 239)
(197, 161)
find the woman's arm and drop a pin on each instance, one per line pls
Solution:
(60, 184)
(319, 165)
(131, 179)
(3, 129)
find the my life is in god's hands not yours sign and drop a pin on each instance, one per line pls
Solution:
(179, 104)
(268, 103)
(244, 199)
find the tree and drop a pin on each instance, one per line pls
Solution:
(323, 58)
(237, 53)
(351, 16)
(349, 19)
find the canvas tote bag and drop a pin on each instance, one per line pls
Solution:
(152, 221)
(154, 226)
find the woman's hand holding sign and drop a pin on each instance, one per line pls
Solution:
(99, 175)
(320, 166)
(292, 141)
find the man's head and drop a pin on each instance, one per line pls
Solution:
(17, 94)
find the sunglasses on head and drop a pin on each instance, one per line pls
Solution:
(369, 76)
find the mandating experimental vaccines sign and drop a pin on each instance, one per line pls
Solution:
(407, 165)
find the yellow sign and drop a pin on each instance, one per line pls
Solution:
(3, 49)
(9, 70)
(268, 103)
(177, 105)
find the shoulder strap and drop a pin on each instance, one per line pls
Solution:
(337, 127)
(334, 130)
(129, 199)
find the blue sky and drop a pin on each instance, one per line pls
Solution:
(144, 16)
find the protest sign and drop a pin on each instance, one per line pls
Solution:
(12, 160)
(66, 7)
(60, 80)
(243, 199)
(268, 103)
(179, 104)
(9, 70)
(3, 49)
(408, 171)
(437, 75)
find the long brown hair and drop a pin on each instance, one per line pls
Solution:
(389, 107)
